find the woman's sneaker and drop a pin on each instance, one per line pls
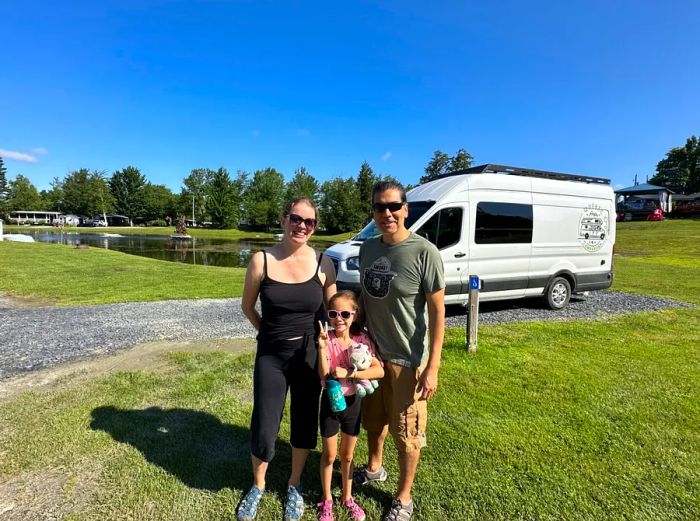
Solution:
(362, 476)
(354, 510)
(325, 510)
(248, 508)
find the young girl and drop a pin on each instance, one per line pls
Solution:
(333, 361)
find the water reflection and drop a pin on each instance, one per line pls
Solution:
(207, 252)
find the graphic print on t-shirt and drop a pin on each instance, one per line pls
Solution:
(378, 278)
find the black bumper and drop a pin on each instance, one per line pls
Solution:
(593, 281)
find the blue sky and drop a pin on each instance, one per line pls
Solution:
(603, 88)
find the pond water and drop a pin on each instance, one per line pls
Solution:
(207, 252)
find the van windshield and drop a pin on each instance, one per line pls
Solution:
(416, 209)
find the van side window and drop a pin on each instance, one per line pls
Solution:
(444, 228)
(503, 223)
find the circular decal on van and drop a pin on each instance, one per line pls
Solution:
(593, 227)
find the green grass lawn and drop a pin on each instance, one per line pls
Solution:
(595, 419)
(65, 275)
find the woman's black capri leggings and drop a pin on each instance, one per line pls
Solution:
(282, 365)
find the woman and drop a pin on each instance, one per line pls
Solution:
(292, 281)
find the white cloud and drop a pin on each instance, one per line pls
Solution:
(386, 156)
(39, 151)
(618, 186)
(17, 156)
(302, 132)
(255, 132)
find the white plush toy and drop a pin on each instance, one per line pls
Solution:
(360, 358)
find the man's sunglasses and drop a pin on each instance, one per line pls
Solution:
(298, 219)
(383, 207)
(332, 313)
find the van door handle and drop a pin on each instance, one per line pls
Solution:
(459, 254)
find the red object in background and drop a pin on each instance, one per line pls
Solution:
(657, 215)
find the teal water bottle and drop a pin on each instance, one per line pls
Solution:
(335, 395)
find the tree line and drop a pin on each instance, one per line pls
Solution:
(210, 196)
(255, 200)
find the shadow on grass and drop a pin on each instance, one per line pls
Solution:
(193, 446)
(203, 453)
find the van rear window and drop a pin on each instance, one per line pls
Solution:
(503, 223)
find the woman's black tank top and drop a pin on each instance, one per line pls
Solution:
(289, 308)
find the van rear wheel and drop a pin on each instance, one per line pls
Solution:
(558, 293)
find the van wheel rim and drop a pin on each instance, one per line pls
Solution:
(559, 294)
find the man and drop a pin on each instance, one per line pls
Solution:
(402, 278)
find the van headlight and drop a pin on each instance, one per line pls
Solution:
(353, 263)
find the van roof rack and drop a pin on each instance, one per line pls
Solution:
(527, 172)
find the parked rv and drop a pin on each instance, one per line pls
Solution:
(523, 232)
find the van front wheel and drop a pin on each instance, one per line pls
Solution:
(558, 293)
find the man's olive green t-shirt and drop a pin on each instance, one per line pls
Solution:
(395, 279)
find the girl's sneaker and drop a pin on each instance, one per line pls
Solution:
(325, 510)
(354, 510)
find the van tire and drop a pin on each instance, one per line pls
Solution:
(558, 293)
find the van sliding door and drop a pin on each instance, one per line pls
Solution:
(501, 245)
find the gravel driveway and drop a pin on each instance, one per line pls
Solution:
(38, 338)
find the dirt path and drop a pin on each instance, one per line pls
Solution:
(9, 302)
(147, 356)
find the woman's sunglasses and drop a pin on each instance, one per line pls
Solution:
(392, 207)
(298, 219)
(332, 313)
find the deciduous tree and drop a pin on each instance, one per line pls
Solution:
(24, 195)
(126, 187)
(194, 193)
(441, 163)
(341, 210)
(303, 184)
(87, 193)
(680, 169)
(158, 201)
(53, 198)
(264, 198)
(437, 166)
(461, 160)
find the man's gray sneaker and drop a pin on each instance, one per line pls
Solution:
(362, 476)
(399, 511)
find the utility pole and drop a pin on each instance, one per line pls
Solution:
(193, 221)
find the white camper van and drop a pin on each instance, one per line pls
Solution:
(523, 232)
